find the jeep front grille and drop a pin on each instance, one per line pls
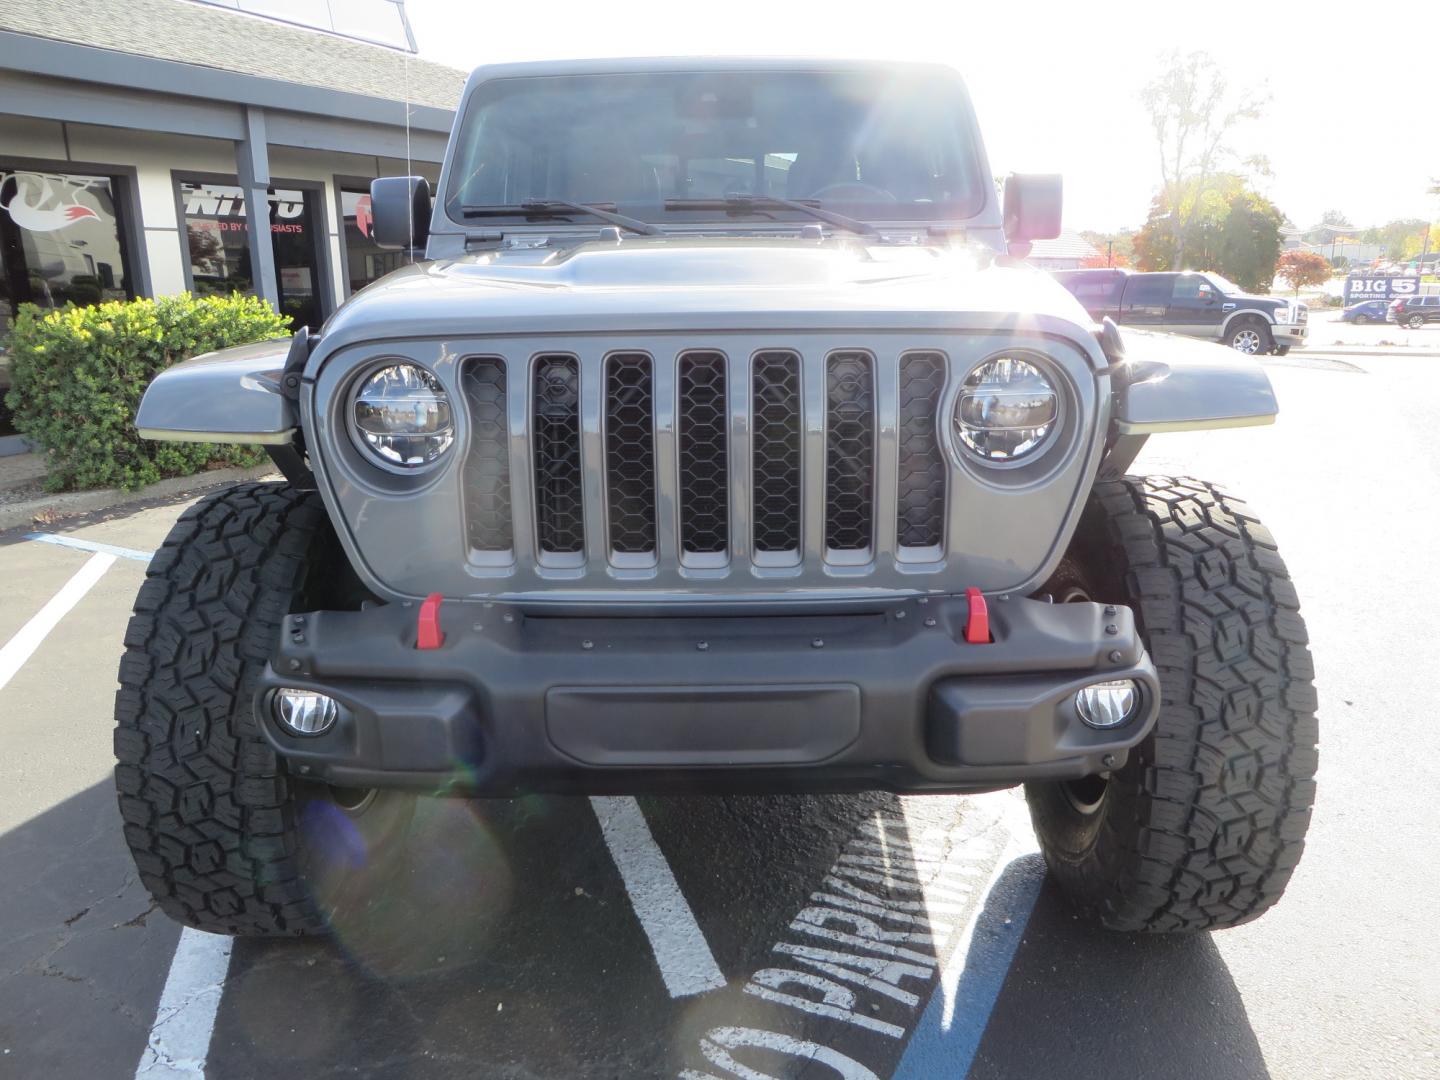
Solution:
(703, 423)
(649, 464)
(775, 452)
(559, 503)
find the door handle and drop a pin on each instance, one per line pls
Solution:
(1227, 307)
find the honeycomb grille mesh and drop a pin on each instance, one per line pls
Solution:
(775, 417)
(849, 451)
(487, 463)
(920, 495)
(559, 510)
(704, 457)
(630, 453)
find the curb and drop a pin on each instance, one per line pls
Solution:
(71, 503)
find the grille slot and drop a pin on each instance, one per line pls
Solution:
(775, 450)
(487, 463)
(849, 451)
(559, 513)
(921, 471)
(630, 453)
(704, 458)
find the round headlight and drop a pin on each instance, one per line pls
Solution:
(1006, 409)
(402, 416)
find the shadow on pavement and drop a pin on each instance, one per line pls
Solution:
(83, 953)
(1085, 1002)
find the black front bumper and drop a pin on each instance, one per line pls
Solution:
(513, 703)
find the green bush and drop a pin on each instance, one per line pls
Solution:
(78, 374)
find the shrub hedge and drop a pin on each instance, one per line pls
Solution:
(77, 375)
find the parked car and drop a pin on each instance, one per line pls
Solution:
(1203, 305)
(1414, 311)
(1366, 311)
(632, 483)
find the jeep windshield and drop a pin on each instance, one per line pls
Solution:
(874, 147)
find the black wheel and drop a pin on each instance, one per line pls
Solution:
(223, 836)
(1204, 823)
(1249, 335)
(1361, 320)
(1414, 322)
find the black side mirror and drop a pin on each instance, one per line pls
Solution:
(400, 211)
(1032, 206)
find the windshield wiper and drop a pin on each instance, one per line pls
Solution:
(736, 203)
(558, 208)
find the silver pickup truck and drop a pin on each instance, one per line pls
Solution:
(713, 440)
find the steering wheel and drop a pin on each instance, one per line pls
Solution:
(853, 191)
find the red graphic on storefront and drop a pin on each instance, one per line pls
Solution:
(45, 203)
(362, 215)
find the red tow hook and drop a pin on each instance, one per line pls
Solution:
(427, 631)
(977, 626)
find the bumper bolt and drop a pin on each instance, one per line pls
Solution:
(929, 622)
(1111, 628)
(818, 643)
(1109, 609)
(294, 664)
(587, 644)
(509, 616)
(1114, 656)
(899, 614)
(1108, 761)
(702, 645)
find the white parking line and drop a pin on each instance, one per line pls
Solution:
(27, 639)
(179, 1039)
(681, 951)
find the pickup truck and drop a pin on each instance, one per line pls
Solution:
(1198, 305)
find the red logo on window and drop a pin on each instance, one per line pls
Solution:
(362, 215)
(45, 203)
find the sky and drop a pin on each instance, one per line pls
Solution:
(1056, 84)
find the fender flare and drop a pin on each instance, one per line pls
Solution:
(1165, 383)
(1268, 316)
(234, 395)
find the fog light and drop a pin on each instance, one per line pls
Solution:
(304, 712)
(1107, 704)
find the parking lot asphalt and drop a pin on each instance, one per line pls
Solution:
(663, 937)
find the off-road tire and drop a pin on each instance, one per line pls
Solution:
(1203, 825)
(1259, 326)
(211, 815)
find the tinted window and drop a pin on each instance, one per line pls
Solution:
(1098, 291)
(216, 229)
(61, 239)
(1191, 287)
(365, 261)
(890, 147)
(1148, 290)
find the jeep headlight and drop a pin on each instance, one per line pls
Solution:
(1006, 409)
(402, 416)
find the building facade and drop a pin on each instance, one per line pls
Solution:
(138, 137)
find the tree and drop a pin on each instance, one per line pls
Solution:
(1193, 112)
(1115, 248)
(1303, 269)
(1234, 230)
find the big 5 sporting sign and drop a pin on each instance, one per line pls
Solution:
(1362, 287)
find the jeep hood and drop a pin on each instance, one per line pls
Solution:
(670, 282)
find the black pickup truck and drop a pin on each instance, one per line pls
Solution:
(1199, 305)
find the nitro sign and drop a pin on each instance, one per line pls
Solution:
(1358, 287)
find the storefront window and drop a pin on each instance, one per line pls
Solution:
(61, 239)
(217, 245)
(365, 261)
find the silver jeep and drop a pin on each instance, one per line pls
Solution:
(714, 439)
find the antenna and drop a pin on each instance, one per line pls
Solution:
(409, 168)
